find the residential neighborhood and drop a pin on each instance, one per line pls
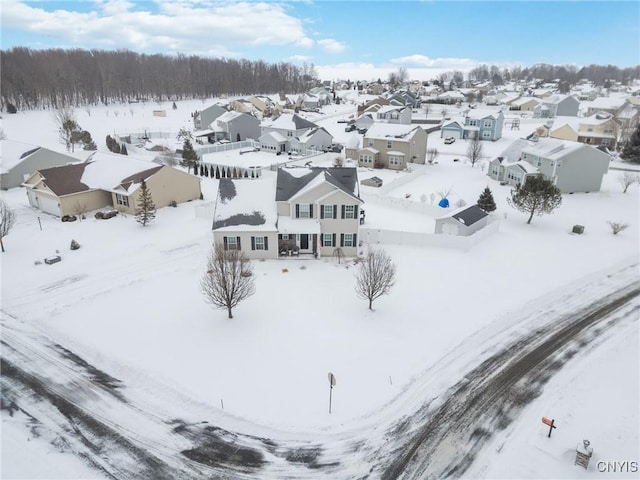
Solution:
(250, 241)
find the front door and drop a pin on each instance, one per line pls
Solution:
(304, 241)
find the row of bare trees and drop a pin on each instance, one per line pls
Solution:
(567, 75)
(54, 78)
(228, 279)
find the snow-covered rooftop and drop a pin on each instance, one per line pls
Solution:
(251, 205)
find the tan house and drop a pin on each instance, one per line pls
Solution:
(524, 104)
(107, 180)
(393, 146)
(598, 129)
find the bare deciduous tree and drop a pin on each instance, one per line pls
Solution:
(228, 279)
(7, 220)
(474, 152)
(376, 276)
(627, 179)
(432, 154)
(617, 227)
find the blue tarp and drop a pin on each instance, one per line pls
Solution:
(444, 203)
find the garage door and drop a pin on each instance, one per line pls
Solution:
(451, 133)
(49, 205)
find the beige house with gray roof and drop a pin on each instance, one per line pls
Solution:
(393, 146)
(107, 180)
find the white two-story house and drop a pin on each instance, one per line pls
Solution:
(308, 211)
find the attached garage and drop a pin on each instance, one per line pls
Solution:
(48, 204)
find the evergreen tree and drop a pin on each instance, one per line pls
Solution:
(189, 156)
(536, 197)
(486, 201)
(631, 150)
(146, 209)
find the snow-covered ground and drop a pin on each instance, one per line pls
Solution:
(128, 302)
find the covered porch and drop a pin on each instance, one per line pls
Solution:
(298, 237)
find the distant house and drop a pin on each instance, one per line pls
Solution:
(393, 146)
(464, 221)
(107, 180)
(19, 160)
(572, 167)
(394, 114)
(404, 98)
(263, 104)
(352, 145)
(611, 105)
(483, 124)
(598, 129)
(291, 132)
(372, 105)
(557, 105)
(236, 126)
(203, 119)
(309, 211)
(242, 105)
(365, 121)
(524, 104)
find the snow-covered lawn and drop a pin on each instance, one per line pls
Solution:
(129, 303)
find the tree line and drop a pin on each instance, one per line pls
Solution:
(55, 78)
(601, 75)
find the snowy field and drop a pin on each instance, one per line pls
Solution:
(128, 302)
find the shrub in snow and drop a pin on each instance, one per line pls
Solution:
(617, 227)
(74, 245)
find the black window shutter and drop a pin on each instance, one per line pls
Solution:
(342, 239)
(279, 236)
(238, 242)
(224, 240)
(334, 240)
(322, 240)
(297, 211)
(253, 243)
(321, 211)
(355, 239)
(355, 211)
(266, 243)
(335, 211)
(310, 210)
(342, 210)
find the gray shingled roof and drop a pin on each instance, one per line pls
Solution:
(287, 185)
(470, 215)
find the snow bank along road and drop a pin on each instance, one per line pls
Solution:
(144, 432)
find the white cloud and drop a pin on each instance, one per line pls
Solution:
(299, 58)
(184, 26)
(331, 46)
(424, 61)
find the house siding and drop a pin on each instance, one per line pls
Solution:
(38, 160)
(245, 242)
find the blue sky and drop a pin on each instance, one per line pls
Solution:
(355, 39)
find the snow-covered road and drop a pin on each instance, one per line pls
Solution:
(134, 431)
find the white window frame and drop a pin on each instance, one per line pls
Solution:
(232, 243)
(327, 211)
(487, 124)
(395, 161)
(473, 123)
(122, 200)
(258, 243)
(348, 240)
(350, 211)
(486, 134)
(304, 210)
(389, 143)
(325, 242)
(370, 142)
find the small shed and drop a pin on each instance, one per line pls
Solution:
(462, 222)
(372, 182)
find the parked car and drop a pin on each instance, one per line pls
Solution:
(335, 147)
(449, 140)
(362, 130)
(350, 128)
